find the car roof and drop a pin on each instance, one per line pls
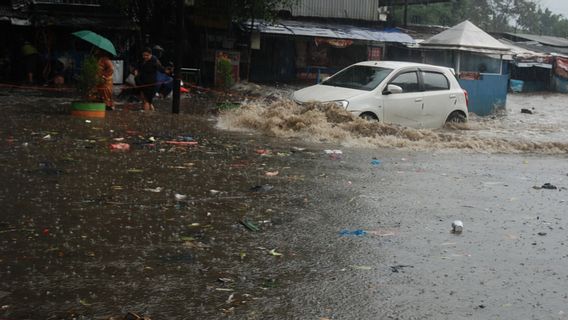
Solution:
(399, 64)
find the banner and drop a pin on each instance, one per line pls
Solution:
(336, 43)
(561, 69)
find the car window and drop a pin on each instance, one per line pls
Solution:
(408, 81)
(435, 81)
(359, 77)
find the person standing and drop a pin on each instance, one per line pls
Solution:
(147, 77)
(106, 71)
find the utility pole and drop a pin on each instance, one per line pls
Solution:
(180, 26)
(406, 13)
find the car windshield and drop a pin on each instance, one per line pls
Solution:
(359, 77)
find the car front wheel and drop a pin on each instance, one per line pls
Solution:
(369, 117)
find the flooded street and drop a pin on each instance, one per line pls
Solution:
(276, 212)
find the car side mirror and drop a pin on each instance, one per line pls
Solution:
(391, 89)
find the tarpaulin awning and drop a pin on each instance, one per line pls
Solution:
(329, 30)
(112, 23)
(561, 69)
(524, 58)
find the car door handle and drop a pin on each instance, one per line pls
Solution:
(452, 96)
(418, 99)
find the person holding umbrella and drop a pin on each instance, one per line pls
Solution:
(106, 70)
(104, 48)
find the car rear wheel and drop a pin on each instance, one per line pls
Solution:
(369, 116)
(456, 117)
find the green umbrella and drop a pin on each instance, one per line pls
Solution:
(96, 40)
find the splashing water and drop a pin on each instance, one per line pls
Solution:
(508, 132)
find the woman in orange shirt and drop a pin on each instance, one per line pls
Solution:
(106, 70)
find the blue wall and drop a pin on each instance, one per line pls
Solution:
(560, 84)
(487, 94)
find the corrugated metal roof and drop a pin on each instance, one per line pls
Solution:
(336, 31)
(546, 40)
(353, 9)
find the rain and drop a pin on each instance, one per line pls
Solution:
(246, 204)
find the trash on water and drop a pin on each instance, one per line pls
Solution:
(262, 188)
(297, 149)
(357, 233)
(457, 226)
(134, 170)
(185, 138)
(271, 173)
(47, 137)
(375, 162)
(274, 253)
(156, 190)
(120, 146)
(226, 280)
(180, 196)
(249, 225)
(549, 186)
(334, 154)
(87, 121)
(118, 139)
(182, 143)
(263, 152)
(527, 111)
(214, 192)
(398, 268)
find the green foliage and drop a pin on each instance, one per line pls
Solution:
(259, 9)
(492, 15)
(89, 78)
(225, 71)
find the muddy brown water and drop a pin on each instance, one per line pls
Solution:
(90, 233)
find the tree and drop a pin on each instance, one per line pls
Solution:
(493, 15)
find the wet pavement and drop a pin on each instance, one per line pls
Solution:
(197, 222)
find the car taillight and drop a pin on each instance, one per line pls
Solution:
(466, 99)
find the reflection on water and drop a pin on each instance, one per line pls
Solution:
(91, 232)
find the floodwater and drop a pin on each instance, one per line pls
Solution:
(199, 222)
(510, 131)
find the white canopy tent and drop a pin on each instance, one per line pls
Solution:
(466, 37)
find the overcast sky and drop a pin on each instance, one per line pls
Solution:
(556, 6)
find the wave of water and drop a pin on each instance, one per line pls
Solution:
(511, 131)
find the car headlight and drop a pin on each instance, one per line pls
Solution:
(342, 103)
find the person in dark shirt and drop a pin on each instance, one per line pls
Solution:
(147, 77)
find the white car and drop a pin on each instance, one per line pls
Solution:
(410, 94)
